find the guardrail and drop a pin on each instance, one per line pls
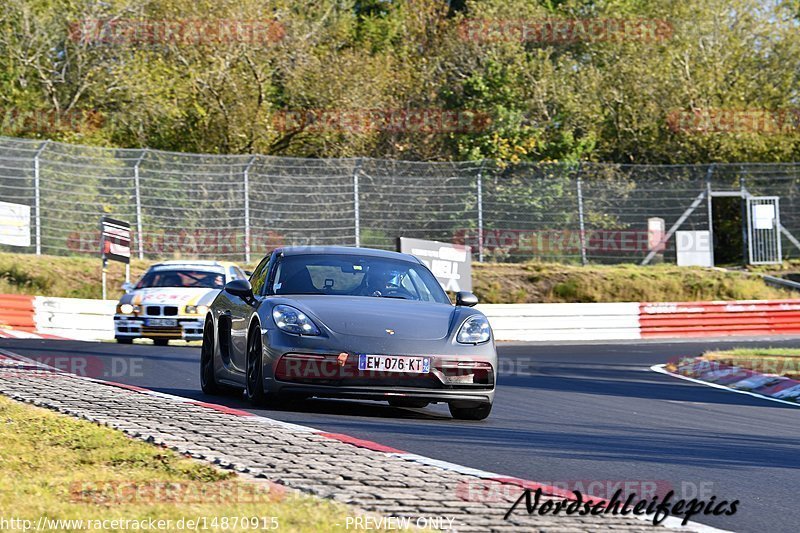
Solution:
(75, 318)
(16, 312)
(563, 322)
(781, 283)
(705, 319)
(93, 319)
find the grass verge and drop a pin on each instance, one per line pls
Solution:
(67, 469)
(79, 277)
(67, 277)
(550, 282)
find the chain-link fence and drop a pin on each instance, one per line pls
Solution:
(239, 207)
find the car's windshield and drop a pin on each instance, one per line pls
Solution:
(353, 275)
(181, 278)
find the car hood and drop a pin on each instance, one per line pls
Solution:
(171, 296)
(372, 317)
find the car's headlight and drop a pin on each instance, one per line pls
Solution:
(474, 330)
(126, 309)
(196, 309)
(293, 320)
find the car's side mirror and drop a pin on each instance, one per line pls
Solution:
(240, 288)
(127, 286)
(466, 299)
(248, 273)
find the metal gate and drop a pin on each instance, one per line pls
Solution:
(764, 229)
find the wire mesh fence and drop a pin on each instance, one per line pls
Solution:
(238, 207)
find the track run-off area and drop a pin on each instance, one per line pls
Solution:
(591, 416)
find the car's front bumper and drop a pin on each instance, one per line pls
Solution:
(389, 393)
(311, 366)
(130, 327)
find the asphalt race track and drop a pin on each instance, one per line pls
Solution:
(563, 413)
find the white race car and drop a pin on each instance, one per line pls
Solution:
(171, 300)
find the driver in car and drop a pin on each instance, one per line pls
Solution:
(379, 280)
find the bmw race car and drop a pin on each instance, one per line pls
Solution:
(171, 300)
(349, 323)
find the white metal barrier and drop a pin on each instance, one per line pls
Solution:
(75, 318)
(562, 322)
(93, 320)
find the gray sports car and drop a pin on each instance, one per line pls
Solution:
(344, 322)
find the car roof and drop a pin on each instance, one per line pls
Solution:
(211, 266)
(345, 250)
(193, 262)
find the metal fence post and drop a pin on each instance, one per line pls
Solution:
(356, 204)
(138, 196)
(37, 192)
(247, 209)
(480, 212)
(710, 199)
(746, 255)
(581, 223)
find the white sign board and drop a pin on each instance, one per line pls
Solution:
(450, 263)
(15, 224)
(764, 216)
(693, 248)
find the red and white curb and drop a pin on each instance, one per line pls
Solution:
(20, 334)
(671, 522)
(661, 369)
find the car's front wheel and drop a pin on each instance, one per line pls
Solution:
(160, 342)
(125, 340)
(254, 386)
(475, 412)
(208, 382)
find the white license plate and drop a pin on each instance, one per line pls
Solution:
(161, 322)
(395, 363)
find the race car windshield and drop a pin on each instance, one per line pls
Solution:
(357, 276)
(182, 278)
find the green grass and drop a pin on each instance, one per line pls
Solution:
(79, 277)
(68, 277)
(59, 467)
(551, 282)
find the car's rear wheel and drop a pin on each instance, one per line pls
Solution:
(125, 340)
(408, 402)
(254, 389)
(208, 382)
(474, 412)
(160, 342)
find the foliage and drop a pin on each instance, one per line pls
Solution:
(595, 99)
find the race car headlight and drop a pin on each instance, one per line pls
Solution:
(127, 309)
(474, 330)
(196, 309)
(293, 320)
